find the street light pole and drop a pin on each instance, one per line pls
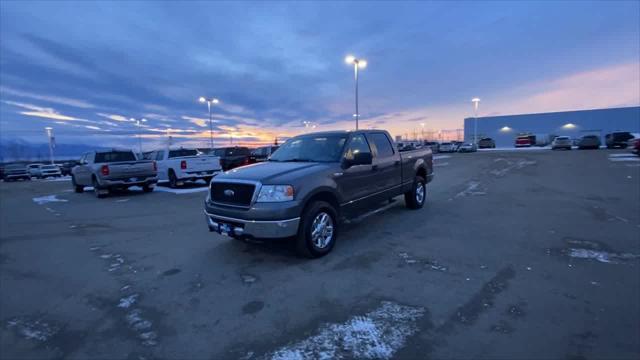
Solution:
(139, 124)
(50, 136)
(476, 102)
(357, 65)
(202, 99)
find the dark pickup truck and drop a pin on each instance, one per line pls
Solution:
(232, 157)
(311, 183)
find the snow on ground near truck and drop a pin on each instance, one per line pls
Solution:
(531, 148)
(378, 334)
(438, 157)
(177, 191)
(47, 199)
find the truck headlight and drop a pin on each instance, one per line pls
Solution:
(275, 193)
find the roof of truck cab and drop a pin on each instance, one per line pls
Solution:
(341, 132)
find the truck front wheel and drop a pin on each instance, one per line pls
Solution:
(416, 197)
(318, 230)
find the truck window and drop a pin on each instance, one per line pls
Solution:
(182, 152)
(381, 145)
(114, 156)
(358, 144)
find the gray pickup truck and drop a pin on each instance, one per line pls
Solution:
(113, 169)
(311, 183)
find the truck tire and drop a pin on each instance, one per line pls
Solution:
(318, 230)
(77, 188)
(173, 180)
(415, 198)
(96, 190)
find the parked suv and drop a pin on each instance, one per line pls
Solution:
(232, 157)
(262, 153)
(618, 139)
(561, 142)
(589, 142)
(16, 172)
(486, 143)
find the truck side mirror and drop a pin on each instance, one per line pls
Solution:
(359, 159)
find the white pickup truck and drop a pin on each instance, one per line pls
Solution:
(182, 164)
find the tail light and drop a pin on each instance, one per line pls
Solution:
(245, 161)
(155, 166)
(104, 170)
(183, 164)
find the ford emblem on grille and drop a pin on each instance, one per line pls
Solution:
(229, 192)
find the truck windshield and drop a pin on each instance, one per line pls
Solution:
(115, 156)
(325, 148)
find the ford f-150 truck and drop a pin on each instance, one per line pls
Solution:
(179, 165)
(110, 169)
(311, 183)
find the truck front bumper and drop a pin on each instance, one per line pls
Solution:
(260, 229)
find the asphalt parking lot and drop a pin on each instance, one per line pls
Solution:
(524, 254)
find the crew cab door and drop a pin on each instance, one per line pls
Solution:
(387, 170)
(355, 182)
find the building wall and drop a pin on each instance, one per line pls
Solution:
(504, 129)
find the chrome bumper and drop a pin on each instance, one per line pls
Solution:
(146, 181)
(260, 229)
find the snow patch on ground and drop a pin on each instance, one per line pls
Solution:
(47, 199)
(623, 157)
(127, 301)
(533, 148)
(63, 178)
(33, 330)
(471, 189)
(378, 334)
(438, 157)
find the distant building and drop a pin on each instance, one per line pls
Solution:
(545, 126)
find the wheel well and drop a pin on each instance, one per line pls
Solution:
(422, 173)
(326, 197)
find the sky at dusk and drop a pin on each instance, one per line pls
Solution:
(87, 68)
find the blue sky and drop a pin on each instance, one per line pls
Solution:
(86, 68)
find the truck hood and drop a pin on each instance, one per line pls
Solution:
(272, 172)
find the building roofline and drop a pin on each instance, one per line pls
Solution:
(553, 112)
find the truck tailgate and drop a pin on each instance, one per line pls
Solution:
(130, 169)
(202, 163)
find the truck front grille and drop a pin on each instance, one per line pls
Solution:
(234, 194)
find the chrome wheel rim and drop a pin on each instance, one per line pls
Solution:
(420, 192)
(322, 230)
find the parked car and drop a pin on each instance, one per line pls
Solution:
(311, 183)
(618, 139)
(66, 167)
(456, 145)
(106, 170)
(561, 142)
(447, 147)
(435, 146)
(232, 157)
(50, 171)
(589, 142)
(634, 145)
(525, 141)
(468, 147)
(180, 165)
(486, 143)
(262, 153)
(14, 172)
(34, 170)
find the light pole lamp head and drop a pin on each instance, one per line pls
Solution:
(215, 101)
(202, 99)
(350, 59)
